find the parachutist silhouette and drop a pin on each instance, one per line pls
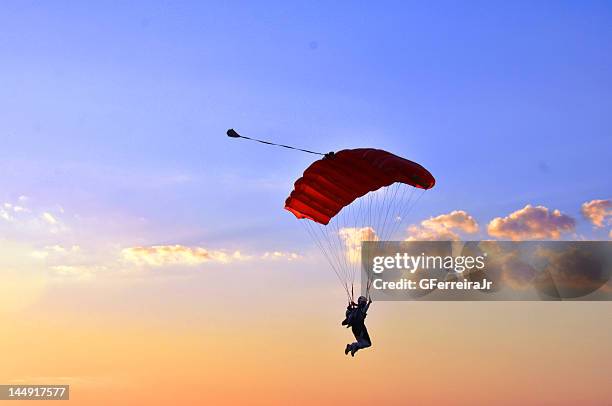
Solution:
(355, 318)
(339, 188)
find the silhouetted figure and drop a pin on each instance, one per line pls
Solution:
(355, 318)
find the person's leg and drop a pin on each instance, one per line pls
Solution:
(363, 341)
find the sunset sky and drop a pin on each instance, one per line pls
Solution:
(146, 257)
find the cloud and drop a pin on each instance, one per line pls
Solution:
(15, 208)
(48, 217)
(160, 255)
(5, 215)
(572, 272)
(163, 255)
(506, 263)
(57, 250)
(276, 255)
(8, 211)
(444, 227)
(458, 220)
(25, 221)
(418, 233)
(531, 223)
(596, 211)
(352, 238)
(77, 271)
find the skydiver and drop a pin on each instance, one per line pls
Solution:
(355, 318)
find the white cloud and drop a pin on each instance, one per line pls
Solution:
(77, 271)
(9, 211)
(352, 238)
(48, 217)
(55, 250)
(5, 215)
(276, 255)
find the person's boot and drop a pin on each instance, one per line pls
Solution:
(347, 349)
(354, 350)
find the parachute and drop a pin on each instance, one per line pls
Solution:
(355, 195)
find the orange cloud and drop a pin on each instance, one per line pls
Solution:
(163, 255)
(417, 233)
(160, 255)
(596, 211)
(531, 223)
(443, 227)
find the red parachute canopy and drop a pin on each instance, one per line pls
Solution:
(335, 181)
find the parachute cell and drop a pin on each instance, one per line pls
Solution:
(331, 183)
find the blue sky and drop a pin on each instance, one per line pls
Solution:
(117, 112)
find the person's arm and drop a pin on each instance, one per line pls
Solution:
(367, 306)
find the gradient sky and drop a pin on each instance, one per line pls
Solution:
(112, 136)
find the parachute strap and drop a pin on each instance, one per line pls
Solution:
(233, 134)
